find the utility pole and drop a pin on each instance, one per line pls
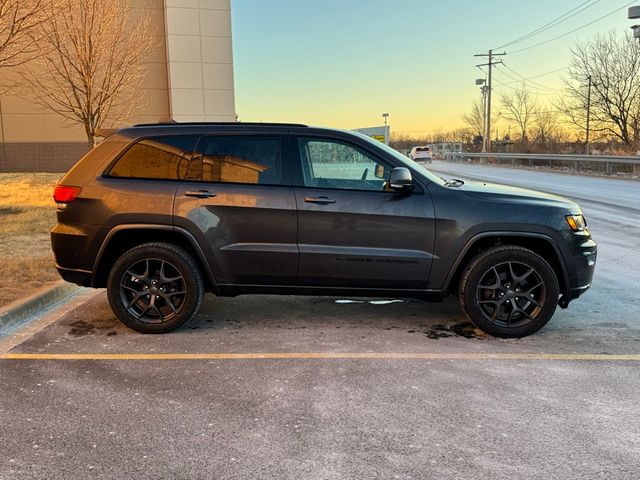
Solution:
(588, 113)
(483, 90)
(489, 64)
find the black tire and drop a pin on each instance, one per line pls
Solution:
(150, 273)
(509, 291)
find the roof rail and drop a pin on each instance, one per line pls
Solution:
(264, 124)
(105, 132)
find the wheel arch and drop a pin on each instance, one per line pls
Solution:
(124, 237)
(539, 243)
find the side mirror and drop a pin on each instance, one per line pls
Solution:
(401, 180)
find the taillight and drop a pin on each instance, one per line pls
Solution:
(65, 194)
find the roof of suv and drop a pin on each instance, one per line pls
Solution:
(199, 128)
(225, 124)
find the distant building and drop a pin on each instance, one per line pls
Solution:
(441, 149)
(191, 79)
(382, 134)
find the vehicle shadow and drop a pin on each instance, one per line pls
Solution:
(249, 312)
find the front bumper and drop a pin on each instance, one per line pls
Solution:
(581, 264)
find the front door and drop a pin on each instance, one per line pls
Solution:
(353, 231)
(235, 201)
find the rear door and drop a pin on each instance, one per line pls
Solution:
(352, 231)
(236, 199)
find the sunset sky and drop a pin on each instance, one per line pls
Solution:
(341, 63)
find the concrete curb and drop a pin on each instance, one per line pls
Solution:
(21, 310)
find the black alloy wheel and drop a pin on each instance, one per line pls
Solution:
(153, 290)
(511, 294)
(155, 287)
(509, 291)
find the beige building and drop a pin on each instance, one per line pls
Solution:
(190, 79)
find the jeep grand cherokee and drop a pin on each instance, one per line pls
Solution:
(160, 214)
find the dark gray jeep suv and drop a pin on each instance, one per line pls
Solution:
(161, 214)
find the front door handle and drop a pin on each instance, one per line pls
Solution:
(319, 200)
(199, 193)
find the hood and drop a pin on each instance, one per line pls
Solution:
(488, 191)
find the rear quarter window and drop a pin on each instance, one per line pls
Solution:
(161, 158)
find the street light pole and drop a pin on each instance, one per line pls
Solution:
(634, 13)
(386, 128)
(588, 113)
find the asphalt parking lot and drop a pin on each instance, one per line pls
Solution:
(323, 388)
(499, 409)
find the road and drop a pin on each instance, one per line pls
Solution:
(612, 209)
(613, 192)
(357, 389)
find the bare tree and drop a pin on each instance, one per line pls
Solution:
(613, 63)
(461, 135)
(402, 141)
(547, 132)
(545, 123)
(19, 19)
(91, 62)
(519, 108)
(475, 119)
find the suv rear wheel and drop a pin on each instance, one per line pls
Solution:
(155, 287)
(509, 291)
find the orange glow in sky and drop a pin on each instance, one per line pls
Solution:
(342, 64)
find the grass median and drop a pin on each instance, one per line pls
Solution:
(27, 213)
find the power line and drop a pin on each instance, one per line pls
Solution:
(580, 8)
(528, 80)
(538, 93)
(574, 30)
(537, 90)
(540, 75)
(519, 80)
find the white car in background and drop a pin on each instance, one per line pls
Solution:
(420, 154)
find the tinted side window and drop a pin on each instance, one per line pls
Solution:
(165, 158)
(331, 164)
(240, 159)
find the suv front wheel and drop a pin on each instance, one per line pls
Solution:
(155, 287)
(509, 291)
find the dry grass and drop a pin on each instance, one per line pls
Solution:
(27, 213)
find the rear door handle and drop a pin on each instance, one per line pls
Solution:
(199, 193)
(319, 200)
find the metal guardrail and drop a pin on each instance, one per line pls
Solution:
(550, 156)
(603, 162)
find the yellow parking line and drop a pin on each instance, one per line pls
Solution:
(322, 356)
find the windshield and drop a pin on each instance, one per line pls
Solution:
(401, 158)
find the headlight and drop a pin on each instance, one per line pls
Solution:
(577, 223)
